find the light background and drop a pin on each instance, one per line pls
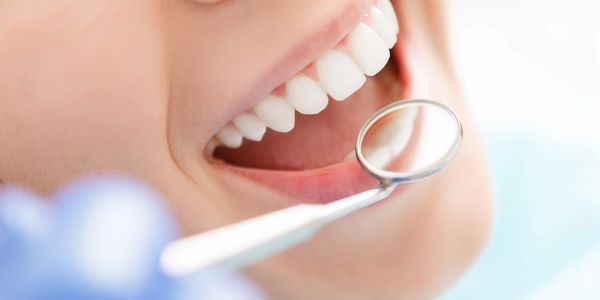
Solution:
(531, 73)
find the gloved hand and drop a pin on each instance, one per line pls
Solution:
(98, 239)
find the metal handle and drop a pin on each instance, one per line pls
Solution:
(240, 244)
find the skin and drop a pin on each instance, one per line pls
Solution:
(122, 86)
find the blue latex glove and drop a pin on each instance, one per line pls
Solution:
(100, 239)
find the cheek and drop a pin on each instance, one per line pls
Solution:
(93, 98)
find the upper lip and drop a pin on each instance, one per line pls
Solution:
(336, 24)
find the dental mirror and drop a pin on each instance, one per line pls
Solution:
(403, 142)
(408, 141)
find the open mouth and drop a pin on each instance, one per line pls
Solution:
(300, 138)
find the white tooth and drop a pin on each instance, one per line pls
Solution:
(306, 95)
(250, 126)
(276, 113)
(387, 9)
(339, 75)
(383, 27)
(230, 137)
(368, 49)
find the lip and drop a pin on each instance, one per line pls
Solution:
(336, 181)
(314, 186)
(330, 183)
(337, 24)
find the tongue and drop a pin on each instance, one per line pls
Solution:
(320, 140)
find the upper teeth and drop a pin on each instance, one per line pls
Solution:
(306, 95)
(277, 113)
(339, 73)
(372, 58)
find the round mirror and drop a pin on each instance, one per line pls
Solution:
(408, 141)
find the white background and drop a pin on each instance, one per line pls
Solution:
(531, 73)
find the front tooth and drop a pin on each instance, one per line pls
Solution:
(383, 26)
(387, 9)
(230, 137)
(250, 126)
(339, 75)
(368, 49)
(306, 95)
(276, 113)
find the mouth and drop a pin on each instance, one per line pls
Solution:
(299, 139)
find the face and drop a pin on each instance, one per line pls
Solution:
(166, 91)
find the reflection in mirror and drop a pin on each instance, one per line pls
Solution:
(387, 139)
(410, 139)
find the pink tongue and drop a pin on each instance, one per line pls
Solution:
(319, 140)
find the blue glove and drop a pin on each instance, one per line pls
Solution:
(100, 239)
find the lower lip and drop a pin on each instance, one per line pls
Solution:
(325, 185)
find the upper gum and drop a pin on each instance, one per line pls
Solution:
(309, 70)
